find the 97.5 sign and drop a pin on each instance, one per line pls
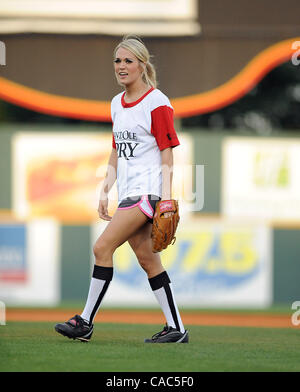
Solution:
(213, 262)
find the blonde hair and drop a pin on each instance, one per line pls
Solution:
(136, 46)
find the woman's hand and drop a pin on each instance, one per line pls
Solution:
(110, 178)
(102, 209)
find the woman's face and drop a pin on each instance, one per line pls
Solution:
(128, 68)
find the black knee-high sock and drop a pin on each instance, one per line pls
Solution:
(162, 288)
(100, 281)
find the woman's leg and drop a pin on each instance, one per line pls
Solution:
(159, 281)
(141, 244)
(123, 224)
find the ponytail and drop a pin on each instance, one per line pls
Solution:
(149, 75)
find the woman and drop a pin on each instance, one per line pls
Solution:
(143, 138)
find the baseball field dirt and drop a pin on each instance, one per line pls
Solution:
(156, 317)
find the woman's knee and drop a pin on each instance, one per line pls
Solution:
(148, 261)
(102, 250)
(144, 263)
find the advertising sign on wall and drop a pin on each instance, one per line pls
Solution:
(212, 263)
(29, 263)
(260, 178)
(13, 258)
(56, 174)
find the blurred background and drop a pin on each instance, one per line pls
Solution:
(232, 72)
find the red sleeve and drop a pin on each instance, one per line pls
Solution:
(113, 142)
(162, 127)
(113, 139)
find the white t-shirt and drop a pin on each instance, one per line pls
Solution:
(141, 129)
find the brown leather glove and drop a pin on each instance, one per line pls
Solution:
(164, 228)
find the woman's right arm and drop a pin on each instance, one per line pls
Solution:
(109, 180)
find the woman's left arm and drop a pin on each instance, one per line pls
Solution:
(167, 173)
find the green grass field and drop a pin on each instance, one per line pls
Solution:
(36, 347)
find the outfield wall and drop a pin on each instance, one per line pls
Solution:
(279, 283)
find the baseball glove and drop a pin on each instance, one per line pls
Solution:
(164, 227)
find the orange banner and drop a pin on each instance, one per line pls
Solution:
(187, 106)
